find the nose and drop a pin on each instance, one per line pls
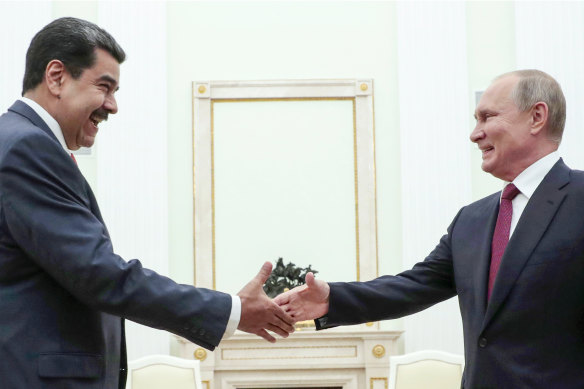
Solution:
(110, 104)
(477, 134)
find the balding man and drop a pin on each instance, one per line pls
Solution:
(515, 258)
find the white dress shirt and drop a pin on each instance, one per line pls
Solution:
(235, 315)
(49, 120)
(527, 182)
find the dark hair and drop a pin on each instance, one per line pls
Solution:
(70, 40)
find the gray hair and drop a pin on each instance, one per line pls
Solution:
(536, 86)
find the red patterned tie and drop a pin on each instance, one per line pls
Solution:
(501, 235)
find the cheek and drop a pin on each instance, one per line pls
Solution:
(100, 98)
(497, 137)
(93, 101)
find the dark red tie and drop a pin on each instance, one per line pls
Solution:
(74, 160)
(501, 235)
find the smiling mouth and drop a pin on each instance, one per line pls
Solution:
(485, 151)
(96, 118)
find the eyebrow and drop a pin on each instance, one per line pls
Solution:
(111, 80)
(481, 112)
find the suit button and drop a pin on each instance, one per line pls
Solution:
(483, 342)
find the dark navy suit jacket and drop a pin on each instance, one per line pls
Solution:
(64, 293)
(531, 333)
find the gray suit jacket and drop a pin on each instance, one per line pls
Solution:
(64, 293)
(531, 332)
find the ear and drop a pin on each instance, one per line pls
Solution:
(54, 77)
(539, 117)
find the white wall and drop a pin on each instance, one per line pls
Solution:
(435, 158)
(426, 59)
(15, 36)
(132, 166)
(282, 40)
(557, 48)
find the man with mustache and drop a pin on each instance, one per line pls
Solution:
(64, 293)
(515, 259)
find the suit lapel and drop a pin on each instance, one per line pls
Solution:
(23, 109)
(26, 111)
(534, 221)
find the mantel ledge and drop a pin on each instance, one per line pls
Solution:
(305, 333)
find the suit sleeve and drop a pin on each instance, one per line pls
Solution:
(391, 297)
(49, 217)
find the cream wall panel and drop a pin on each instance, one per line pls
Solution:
(281, 40)
(281, 177)
(19, 22)
(435, 156)
(275, 40)
(132, 154)
(284, 187)
(550, 37)
(490, 43)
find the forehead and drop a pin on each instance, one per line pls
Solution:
(105, 67)
(498, 93)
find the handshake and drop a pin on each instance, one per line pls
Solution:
(259, 313)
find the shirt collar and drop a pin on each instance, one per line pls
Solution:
(49, 120)
(529, 179)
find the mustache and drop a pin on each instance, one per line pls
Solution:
(100, 113)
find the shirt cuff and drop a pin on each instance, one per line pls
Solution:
(234, 318)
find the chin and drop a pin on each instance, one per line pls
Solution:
(87, 142)
(486, 168)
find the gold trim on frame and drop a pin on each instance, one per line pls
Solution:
(378, 351)
(378, 379)
(356, 187)
(343, 94)
(304, 324)
(200, 354)
(194, 189)
(356, 175)
(213, 190)
(268, 99)
(207, 384)
(375, 184)
(288, 356)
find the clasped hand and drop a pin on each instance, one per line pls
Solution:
(259, 313)
(306, 302)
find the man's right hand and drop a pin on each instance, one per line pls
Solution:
(307, 302)
(259, 313)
